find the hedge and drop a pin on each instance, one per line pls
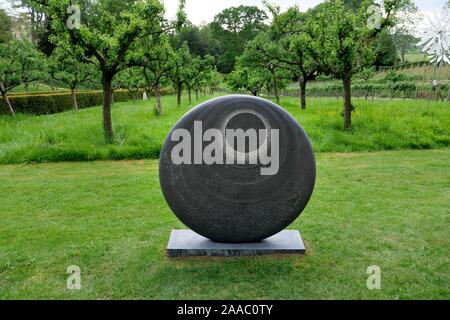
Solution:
(49, 103)
(404, 89)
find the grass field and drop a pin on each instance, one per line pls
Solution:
(415, 57)
(378, 125)
(389, 209)
(33, 88)
(426, 74)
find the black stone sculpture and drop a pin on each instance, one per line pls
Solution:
(235, 203)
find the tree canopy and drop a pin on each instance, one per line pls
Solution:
(110, 32)
(130, 44)
(234, 27)
(20, 63)
(5, 27)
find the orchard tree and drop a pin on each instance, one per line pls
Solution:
(202, 74)
(213, 81)
(288, 46)
(108, 34)
(178, 64)
(65, 67)
(404, 43)
(249, 79)
(195, 73)
(403, 31)
(343, 40)
(260, 52)
(208, 82)
(156, 66)
(131, 79)
(20, 63)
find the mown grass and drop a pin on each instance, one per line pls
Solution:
(32, 88)
(388, 209)
(415, 57)
(139, 133)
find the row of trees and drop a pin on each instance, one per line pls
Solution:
(129, 44)
(20, 63)
(224, 38)
(125, 44)
(333, 39)
(163, 66)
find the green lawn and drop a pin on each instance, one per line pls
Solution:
(33, 88)
(389, 209)
(378, 125)
(416, 57)
(425, 73)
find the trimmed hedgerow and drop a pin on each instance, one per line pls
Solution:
(50, 103)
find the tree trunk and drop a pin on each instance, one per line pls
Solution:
(439, 94)
(107, 97)
(302, 83)
(347, 83)
(448, 97)
(158, 101)
(179, 88)
(26, 84)
(196, 95)
(275, 90)
(6, 99)
(190, 95)
(74, 99)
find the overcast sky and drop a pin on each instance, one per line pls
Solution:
(200, 11)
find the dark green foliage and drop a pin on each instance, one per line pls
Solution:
(109, 38)
(199, 40)
(405, 87)
(43, 36)
(5, 27)
(385, 50)
(233, 28)
(394, 77)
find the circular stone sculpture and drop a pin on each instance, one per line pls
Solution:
(236, 203)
